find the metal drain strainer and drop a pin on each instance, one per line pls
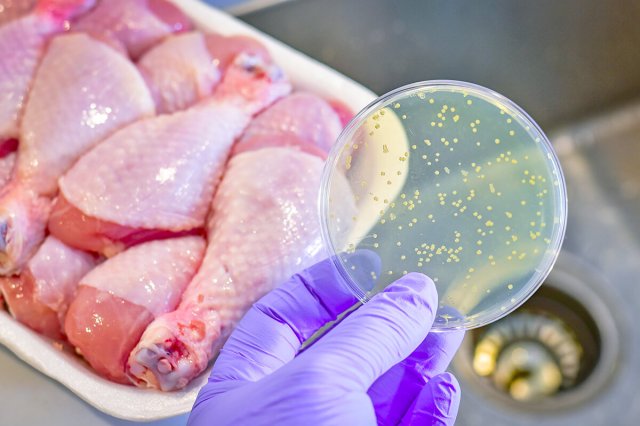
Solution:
(529, 356)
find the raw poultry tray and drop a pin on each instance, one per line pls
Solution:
(159, 170)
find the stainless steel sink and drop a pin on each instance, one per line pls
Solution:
(575, 66)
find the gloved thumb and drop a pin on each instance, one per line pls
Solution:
(377, 336)
(436, 404)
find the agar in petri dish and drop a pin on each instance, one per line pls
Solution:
(452, 180)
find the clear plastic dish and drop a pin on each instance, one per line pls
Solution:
(452, 180)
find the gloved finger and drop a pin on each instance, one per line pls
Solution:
(375, 337)
(396, 389)
(271, 333)
(436, 404)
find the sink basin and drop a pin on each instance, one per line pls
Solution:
(558, 60)
(575, 67)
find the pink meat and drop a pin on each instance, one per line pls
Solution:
(23, 216)
(301, 120)
(120, 297)
(96, 91)
(264, 227)
(224, 49)
(6, 168)
(13, 9)
(22, 44)
(100, 91)
(40, 296)
(18, 292)
(344, 112)
(133, 26)
(185, 68)
(159, 174)
(97, 319)
(179, 72)
(97, 235)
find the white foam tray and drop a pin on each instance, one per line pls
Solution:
(128, 402)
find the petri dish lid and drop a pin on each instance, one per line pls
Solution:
(452, 180)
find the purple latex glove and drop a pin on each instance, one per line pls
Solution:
(379, 365)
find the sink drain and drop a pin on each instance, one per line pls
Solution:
(557, 350)
(540, 350)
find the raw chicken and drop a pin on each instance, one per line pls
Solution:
(344, 112)
(101, 92)
(179, 71)
(185, 68)
(264, 227)
(302, 120)
(248, 253)
(40, 296)
(133, 26)
(224, 49)
(94, 91)
(13, 9)
(169, 165)
(22, 44)
(119, 298)
(6, 168)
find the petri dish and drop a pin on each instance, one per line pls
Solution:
(452, 180)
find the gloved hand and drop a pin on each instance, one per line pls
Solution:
(379, 364)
